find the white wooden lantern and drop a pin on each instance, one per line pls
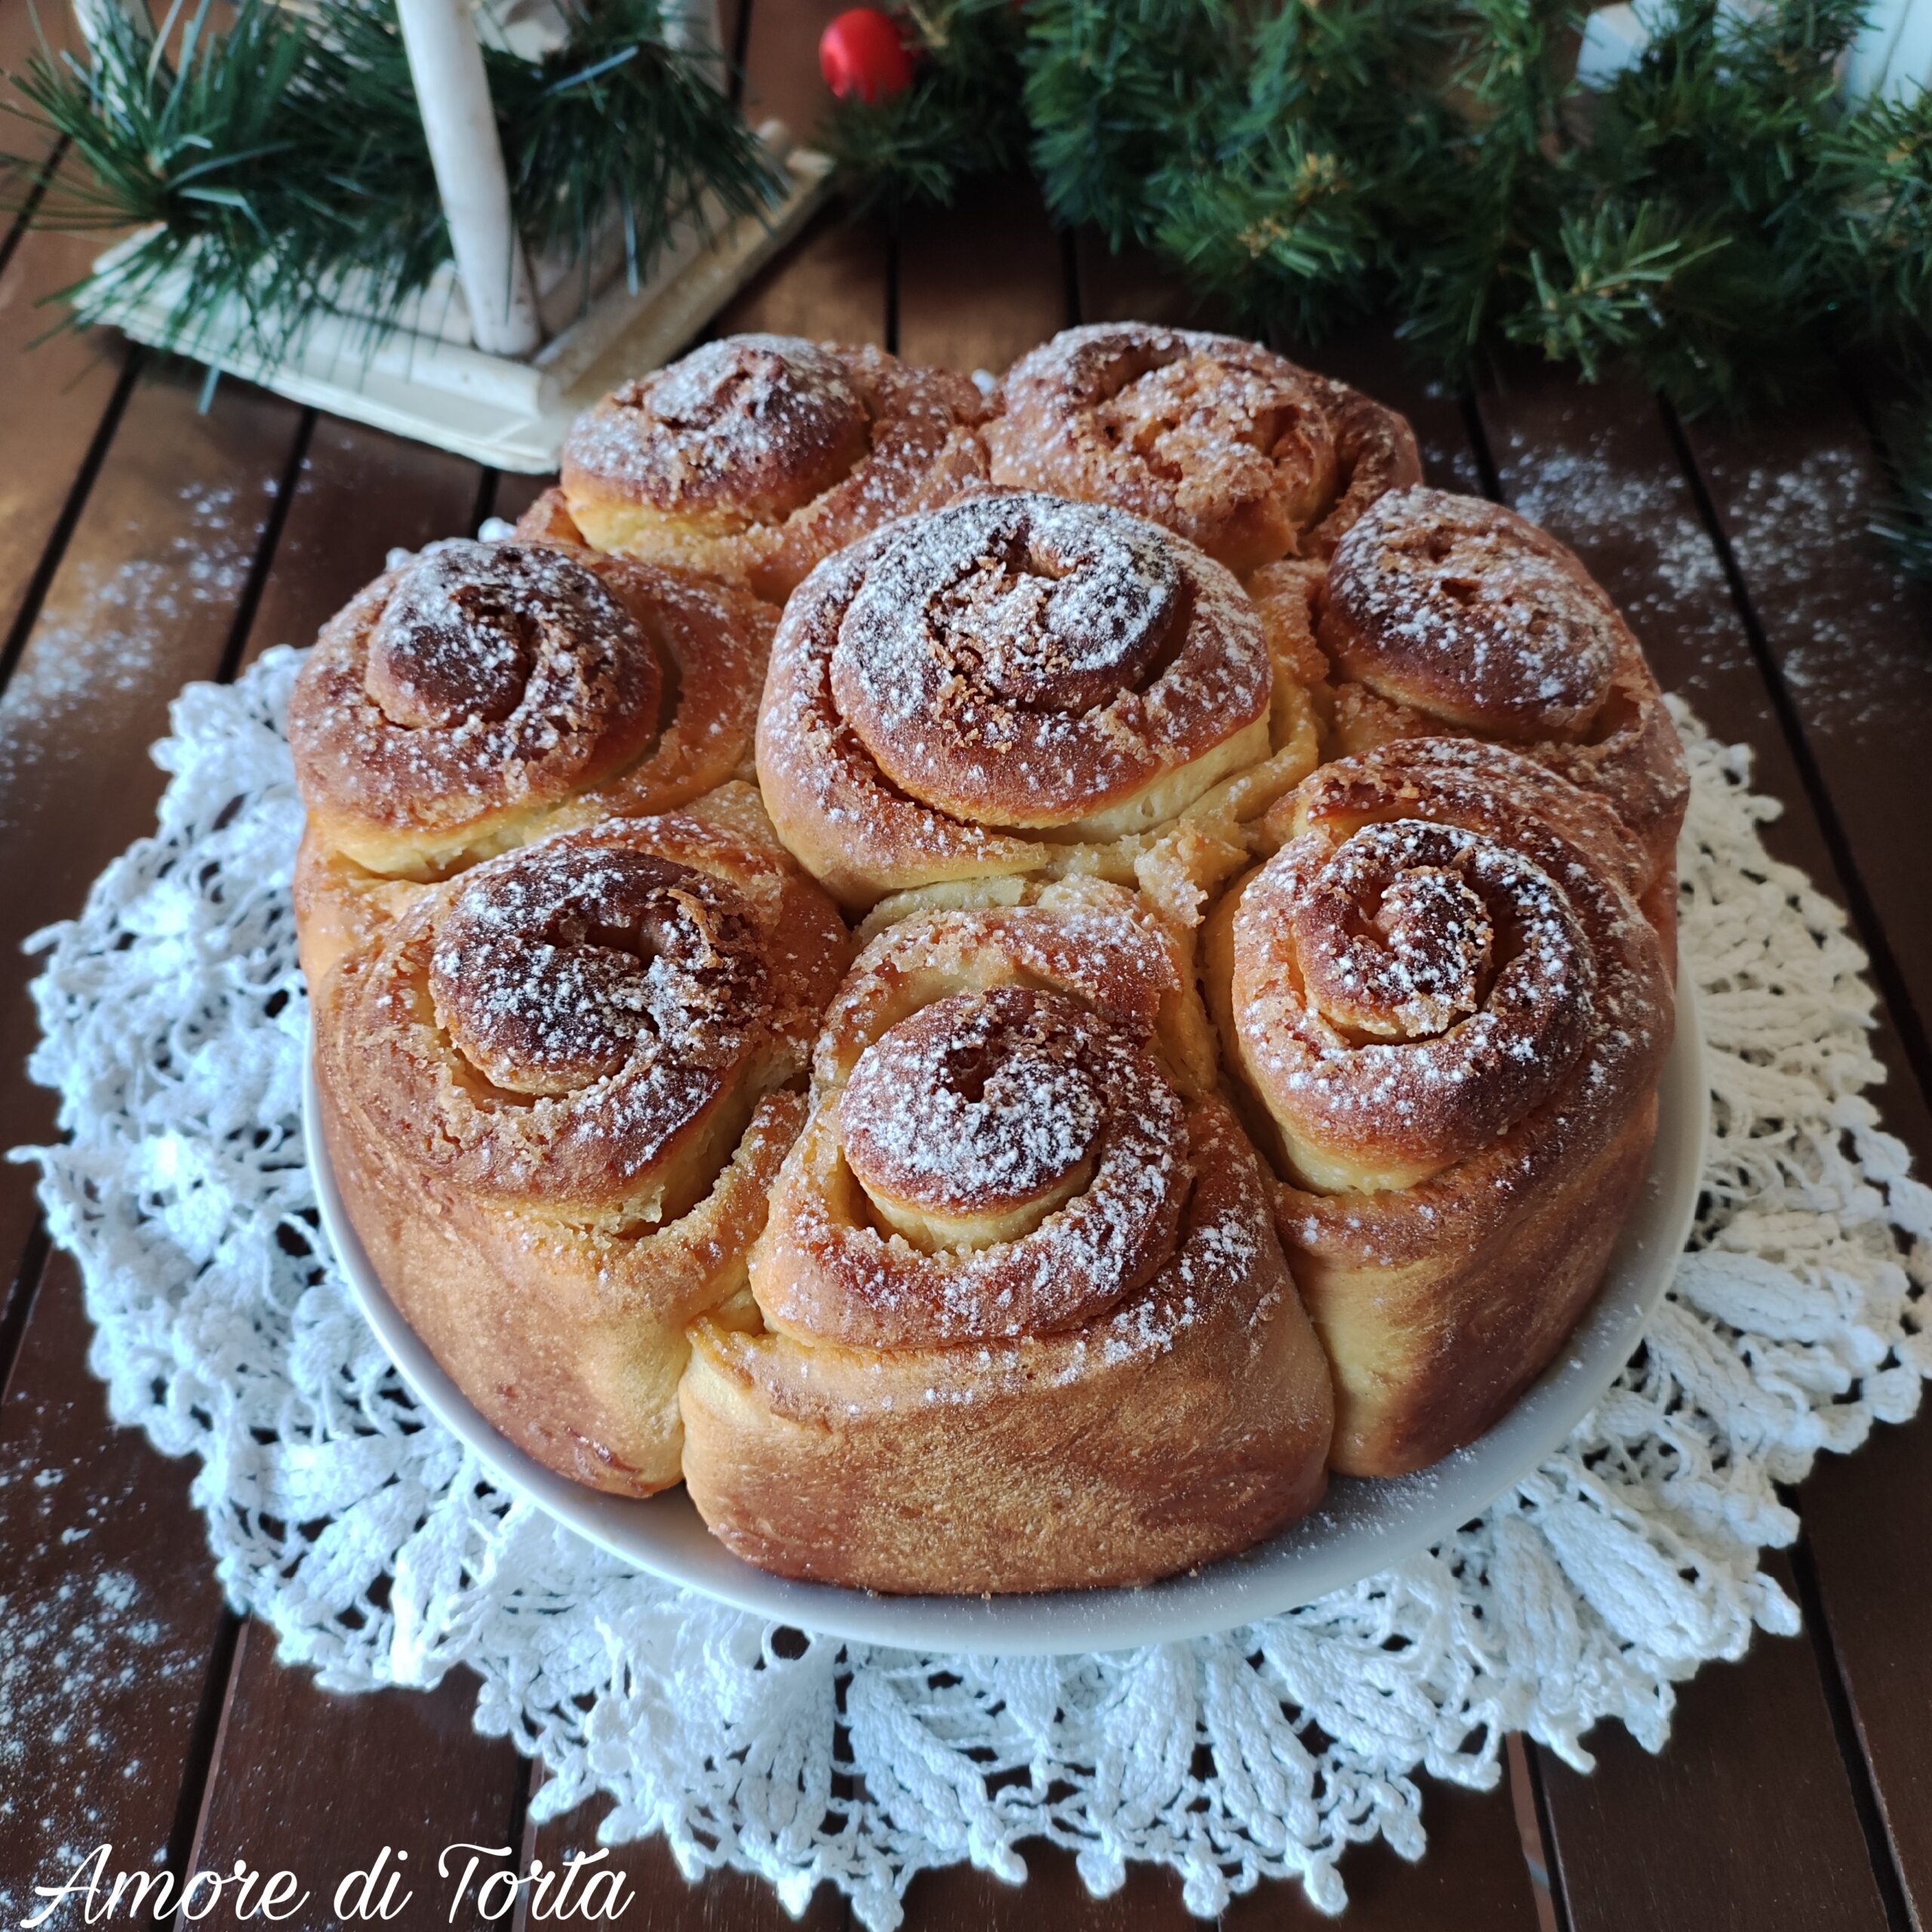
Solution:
(496, 357)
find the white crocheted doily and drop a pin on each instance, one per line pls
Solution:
(174, 1021)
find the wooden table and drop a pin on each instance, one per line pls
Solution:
(143, 543)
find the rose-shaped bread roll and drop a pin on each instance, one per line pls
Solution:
(1448, 1016)
(555, 1092)
(757, 455)
(1233, 447)
(1023, 1320)
(484, 693)
(1016, 684)
(1442, 614)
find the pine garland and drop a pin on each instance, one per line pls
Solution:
(1906, 522)
(1718, 219)
(282, 158)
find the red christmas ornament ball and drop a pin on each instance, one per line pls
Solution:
(861, 53)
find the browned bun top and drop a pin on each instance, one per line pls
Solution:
(1465, 609)
(1004, 1104)
(561, 1025)
(478, 678)
(1013, 660)
(1223, 441)
(756, 455)
(755, 425)
(1447, 948)
(988, 1104)
(1449, 613)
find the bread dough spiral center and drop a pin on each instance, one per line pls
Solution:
(468, 623)
(571, 968)
(1005, 604)
(1415, 988)
(1019, 659)
(1400, 957)
(982, 1105)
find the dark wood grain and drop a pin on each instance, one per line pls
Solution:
(1851, 640)
(109, 1608)
(404, 1769)
(1599, 468)
(52, 400)
(982, 282)
(1745, 1822)
(145, 598)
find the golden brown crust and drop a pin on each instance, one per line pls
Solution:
(1441, 997)
(757, 455)
(973, 691)
(1216, 438)
(552, 1094)
(1441, 613)
(1121, 1384)
(485, 693)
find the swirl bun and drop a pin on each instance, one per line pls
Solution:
(1447, 613)
(553, 1092)
(977, 690)
(1449, 1015)
(461, 703)
(1222, 441)
(1025, 1323)
(757, 455)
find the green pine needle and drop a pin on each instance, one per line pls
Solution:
(1718, 220)
(1905, 524)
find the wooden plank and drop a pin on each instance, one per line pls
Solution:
(145, 598)
(360, 494)
(1599, 469)
(109, 1608)
(982, 282)
(52, 399)
(405, 1770)
(1744, 1821)
(1133, 285)
(1851, 640)
(833, 284)
(781, 63)
(24, 30)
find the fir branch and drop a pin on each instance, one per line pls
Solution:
(1905, 523)
(1122, 92)
(1717, 220)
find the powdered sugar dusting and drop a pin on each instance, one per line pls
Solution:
(1456, 604)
